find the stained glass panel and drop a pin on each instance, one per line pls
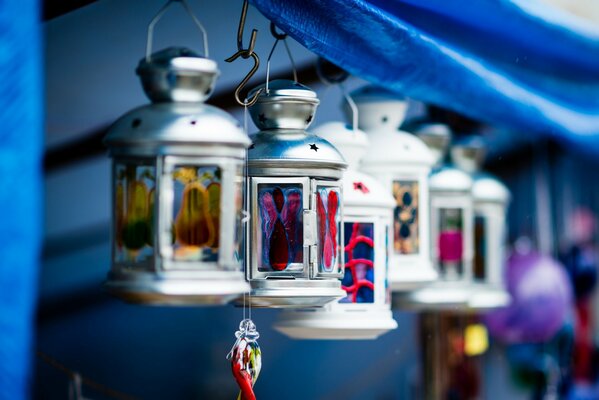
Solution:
(358, 280)
(450, 242)
(405, 217)
(196, 213)
(134, 219)
(280, 221)
(328, 223)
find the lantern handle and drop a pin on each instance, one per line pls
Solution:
(159, 15)
(279, 37)
(245, 54)
(337, 79)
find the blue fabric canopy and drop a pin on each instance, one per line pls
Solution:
(518, 64)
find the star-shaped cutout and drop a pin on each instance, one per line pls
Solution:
(309, 119)
(251, 146)
(262, 118)
(361, 187)
(314, 147)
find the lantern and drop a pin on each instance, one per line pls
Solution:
(450, 229)
(402, 163)
(177, 168)
(295, 203)
(491, 199)
(365, 311)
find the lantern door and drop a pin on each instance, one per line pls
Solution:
(326, 255)
(281, 229)
(197, 219)
(489, 243)
(451, 236)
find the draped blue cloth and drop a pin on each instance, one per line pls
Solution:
(517, 64)
(20, 190)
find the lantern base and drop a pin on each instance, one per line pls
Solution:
(293, 293)
(488, 297)
(183, 290)
(438, 296)
(408, 277)
(338, 324)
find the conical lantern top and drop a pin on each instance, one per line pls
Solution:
(379, 108)
(283, 104)
(469, 154)
(437, 137)
(177, 74)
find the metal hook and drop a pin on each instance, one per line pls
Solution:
(254, 99)
(159, 15)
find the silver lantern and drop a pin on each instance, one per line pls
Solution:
(177, 168)
(491, 199)
(402, 163)
(295, 203)
(365, 311)
(451, 230)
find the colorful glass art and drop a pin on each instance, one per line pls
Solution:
(327, 218)
(134, 209)
(358, 281)
(196, 213)
(405, 217)
(246, 359)
(281, 224)
(450, 242)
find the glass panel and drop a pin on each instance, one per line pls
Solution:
(450, 242)
(239, 225)
(358, 281)
(328, 221)
(134, 214)
(405, 217)
(280, 221)
(196, 213)
(480, 248)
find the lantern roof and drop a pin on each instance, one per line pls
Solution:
(397, 147)
(177, 74)
(283, 104)
(448, 178)
(436, 136)
(176, 123)
(469, 153)
(379, 109)
(361, 190)
(486, 188)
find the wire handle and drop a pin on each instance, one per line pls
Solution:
(337, 79)
(279, 37)
(160, 14)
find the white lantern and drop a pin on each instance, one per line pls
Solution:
(402, 163)
(491, 199)
(295, 201)
(451, 230)
(365, 311)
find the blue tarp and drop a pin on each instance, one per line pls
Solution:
(517, 64)
(20, 190)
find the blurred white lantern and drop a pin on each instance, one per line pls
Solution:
(365, 312)
(451, 230)
(402, 163)
(491, 199)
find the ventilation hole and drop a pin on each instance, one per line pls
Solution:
(384, 119)
(193, 122)
(136, 122)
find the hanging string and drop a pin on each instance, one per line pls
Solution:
(339, 82)
(77, 380)
(544, 220)
(245, 197)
